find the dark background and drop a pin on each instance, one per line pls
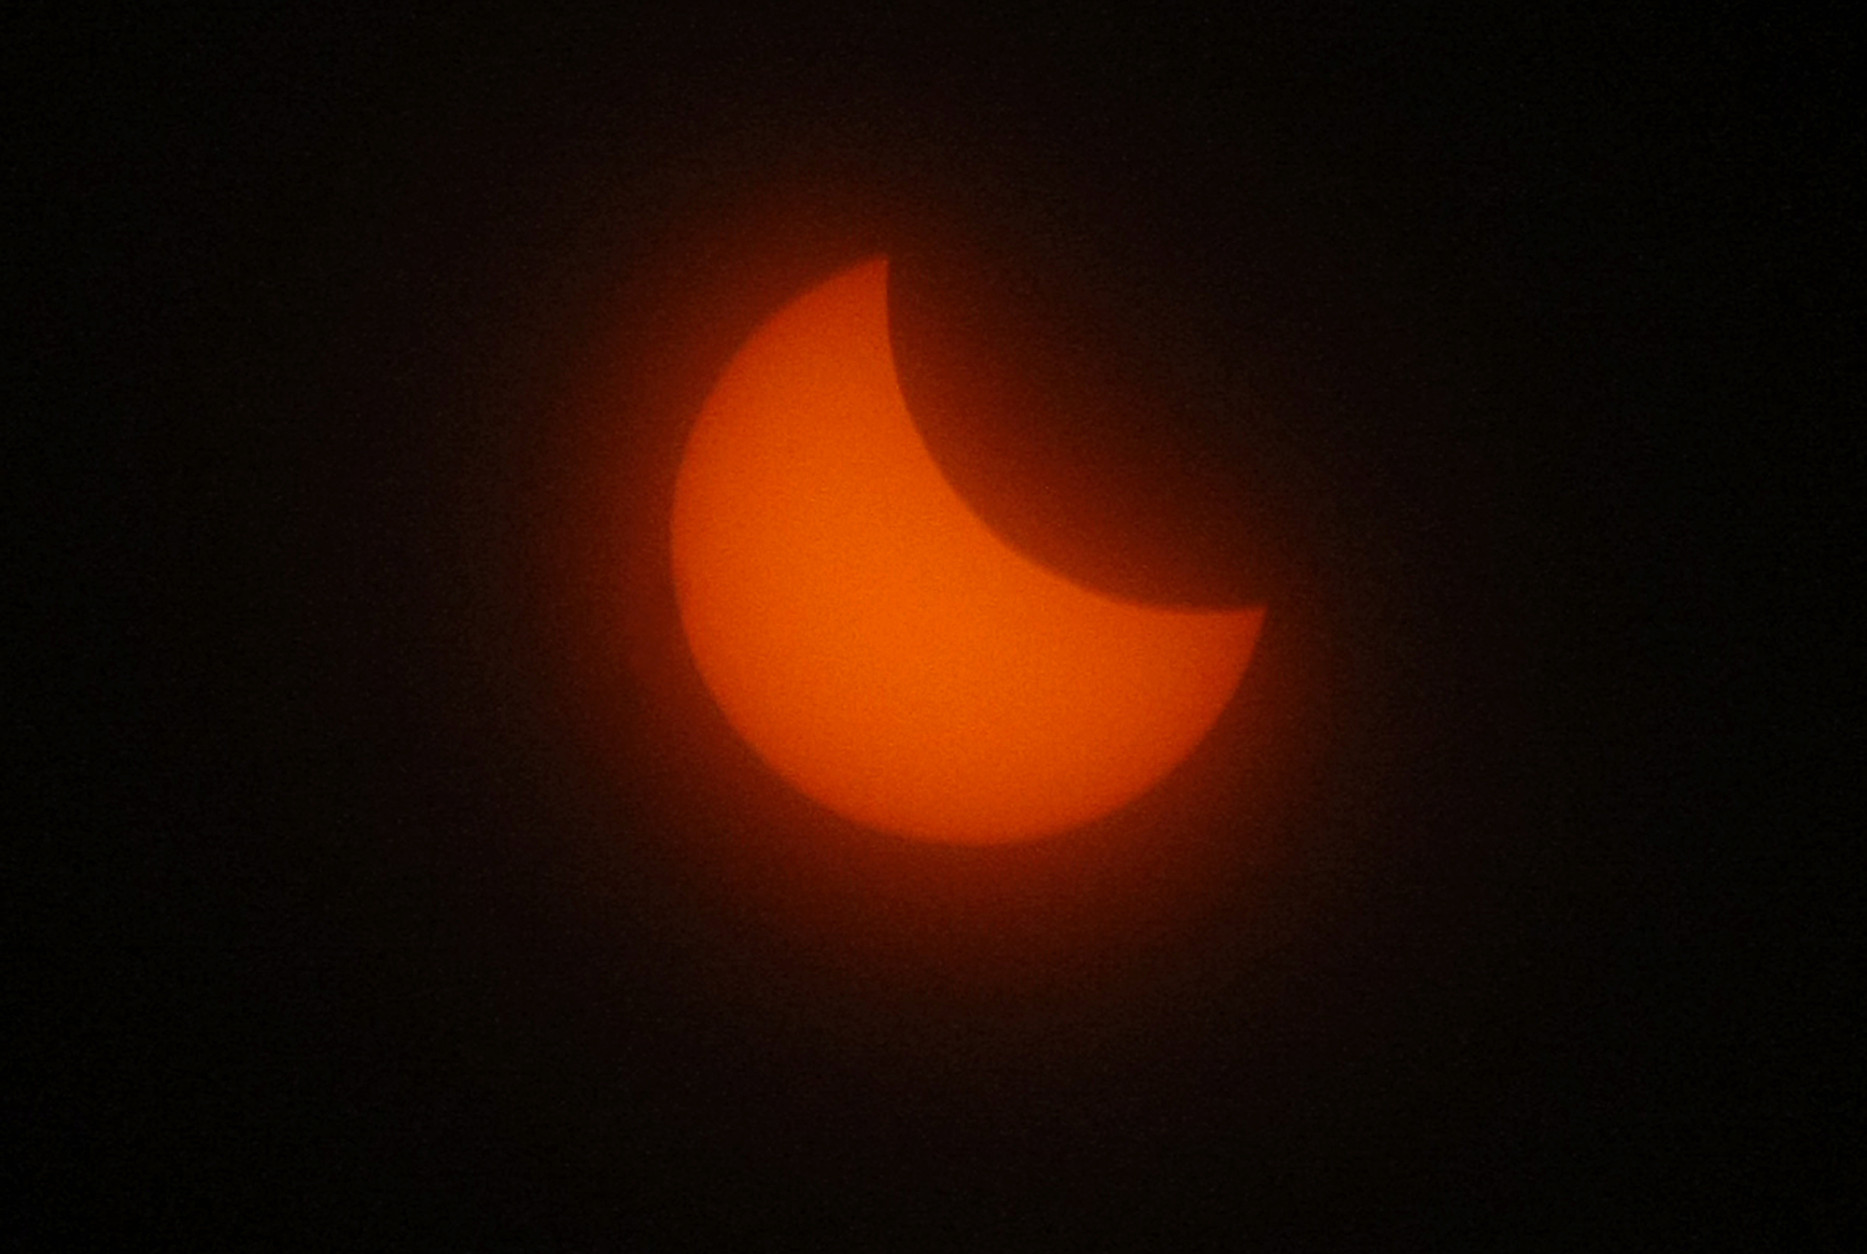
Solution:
(370, 901)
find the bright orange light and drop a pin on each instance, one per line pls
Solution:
(882, 649)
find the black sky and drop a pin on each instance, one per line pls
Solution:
(1480, 349)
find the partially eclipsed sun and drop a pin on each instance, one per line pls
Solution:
(876, 644)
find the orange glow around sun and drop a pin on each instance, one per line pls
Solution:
(876, 644)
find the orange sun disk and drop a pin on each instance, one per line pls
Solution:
(876, 644)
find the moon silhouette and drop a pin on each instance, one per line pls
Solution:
(876, 644)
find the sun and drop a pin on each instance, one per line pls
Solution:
(877, 644)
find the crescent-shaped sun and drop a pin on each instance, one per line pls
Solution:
(876, 644)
